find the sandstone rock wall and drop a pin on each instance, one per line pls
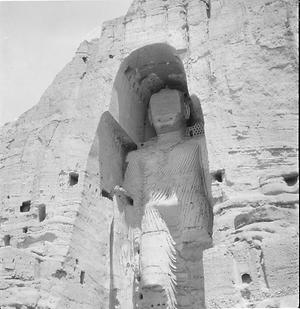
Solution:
(240, 59)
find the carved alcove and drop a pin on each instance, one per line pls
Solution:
(123, 129)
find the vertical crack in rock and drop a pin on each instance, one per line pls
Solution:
(185, 26)
(208, 7)
(263, 267)
(291, 35)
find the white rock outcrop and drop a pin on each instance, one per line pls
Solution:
(241, 60)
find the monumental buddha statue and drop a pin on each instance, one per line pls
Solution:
(163, 213)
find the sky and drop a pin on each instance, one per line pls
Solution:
(37, 39)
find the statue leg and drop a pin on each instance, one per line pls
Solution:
(196, 222)
(122, 269)
(194, 239)
(157, 263)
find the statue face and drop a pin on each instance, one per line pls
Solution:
(166, 111)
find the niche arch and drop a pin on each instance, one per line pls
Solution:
(125, 126)
(144, 72)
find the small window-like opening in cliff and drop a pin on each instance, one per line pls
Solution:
(6, 239)
(60, 273)
(25, 229)
(246, 278)
(8, 197)
(73, 178)
(141, 296)
(111, 56)
(241, 220)
(218, 175)
(25, 206)
(106, 194)
(291, 180)
(82, 275)
(42, 212)
(84, 59)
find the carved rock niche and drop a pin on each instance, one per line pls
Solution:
(154, 167)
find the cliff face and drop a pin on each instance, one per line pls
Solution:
(240, 59)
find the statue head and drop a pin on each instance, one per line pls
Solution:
(168, 111)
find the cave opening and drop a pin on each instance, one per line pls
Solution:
(82, 276)
(246, 278)
(291, 179)
(6, 240)
(25, 206)
(42, 212)
(73, 178)
(218, 175)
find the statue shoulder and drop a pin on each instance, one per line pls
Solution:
(196, 140)
(190, 145)
(134, 155)
(190, 142)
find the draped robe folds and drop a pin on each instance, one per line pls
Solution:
(171, 210)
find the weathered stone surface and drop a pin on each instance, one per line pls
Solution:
(240, 59)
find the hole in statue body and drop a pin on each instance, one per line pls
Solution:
(106, 194)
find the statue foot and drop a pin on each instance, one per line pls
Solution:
(153, 297)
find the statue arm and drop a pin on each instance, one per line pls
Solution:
(206, 178)
(133, 175)
(125, 230)
(122, 249)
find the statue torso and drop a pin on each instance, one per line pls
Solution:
(168, 177)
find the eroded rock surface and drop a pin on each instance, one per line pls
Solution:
(240, 59)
